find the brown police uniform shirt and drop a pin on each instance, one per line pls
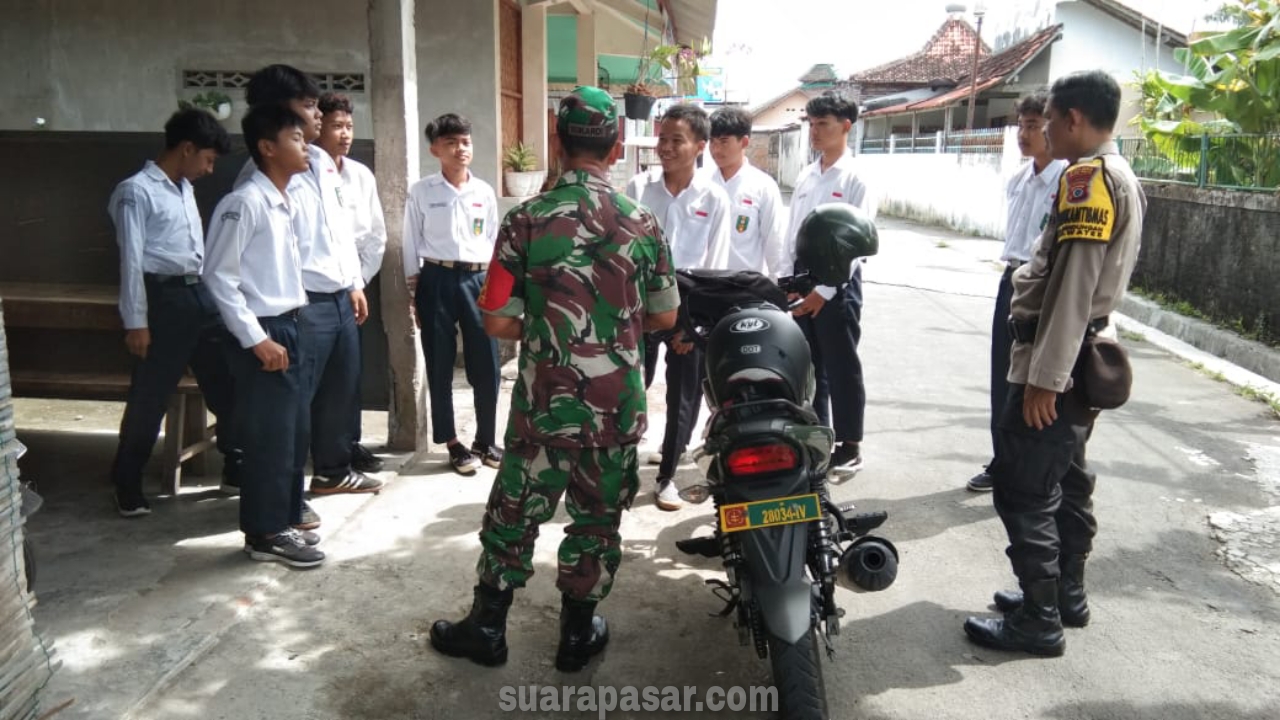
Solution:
(1080, 266)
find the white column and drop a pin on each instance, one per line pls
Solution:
(393, 68)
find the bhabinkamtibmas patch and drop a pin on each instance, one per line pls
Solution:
(1085, 208)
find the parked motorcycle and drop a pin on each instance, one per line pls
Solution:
(784, 543)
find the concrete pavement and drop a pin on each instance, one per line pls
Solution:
(165, 618)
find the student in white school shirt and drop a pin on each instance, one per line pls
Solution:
(693, 212)
(831, 317)
(1030, 193)
(450, 227)
(359, 195)
(756, 239)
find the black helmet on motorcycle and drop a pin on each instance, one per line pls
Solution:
(831, 238)
(761, 347)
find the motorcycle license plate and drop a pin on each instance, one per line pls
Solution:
(769, 513)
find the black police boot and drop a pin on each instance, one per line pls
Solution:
(1034, 627)
(582, 634)
(1072, 602)
(482, 635)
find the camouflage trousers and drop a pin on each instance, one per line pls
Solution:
(599, 484)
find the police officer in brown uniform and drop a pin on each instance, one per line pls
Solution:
(1076, 278)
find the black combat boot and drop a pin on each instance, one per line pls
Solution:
(1034, 627)
(1072, 602)
(482, 635)
(582, 634)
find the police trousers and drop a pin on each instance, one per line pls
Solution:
(1043, 488)
(598, 484)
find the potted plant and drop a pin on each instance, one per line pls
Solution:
(522, 177)
(215, 102)
(679, 62)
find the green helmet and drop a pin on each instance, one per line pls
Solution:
(831, 238)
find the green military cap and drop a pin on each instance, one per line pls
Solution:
(587, 112)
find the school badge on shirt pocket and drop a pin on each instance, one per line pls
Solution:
(742, 224)
(477, 227)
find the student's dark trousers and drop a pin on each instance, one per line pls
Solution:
(1001, 346)
(185, 330)
(840, 397)
(1042, 486)
(684, 396)
(271, 417)
(445, 301)
(330, 380)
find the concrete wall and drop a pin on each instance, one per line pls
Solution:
(458, 72)
(963, 192)
(117, 66)
(788, 110)
(1216, 249)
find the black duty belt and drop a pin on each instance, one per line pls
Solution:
(172, 280)
(1024, 331)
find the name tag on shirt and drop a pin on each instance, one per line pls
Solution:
(437, 205)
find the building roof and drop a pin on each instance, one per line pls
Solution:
(1137, 20)
(992, 71)
(692, 21)
(820, 74)
(947, 56)
(780, 98)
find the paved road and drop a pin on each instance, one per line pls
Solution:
(1178, 633)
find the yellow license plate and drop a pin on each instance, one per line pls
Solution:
(770, 513)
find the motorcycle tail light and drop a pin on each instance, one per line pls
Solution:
(760, 459)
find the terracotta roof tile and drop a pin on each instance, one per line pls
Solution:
(947, 55)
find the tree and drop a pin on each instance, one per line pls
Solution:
(1231, 89)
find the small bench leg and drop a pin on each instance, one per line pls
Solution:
(171, 474)
(195, 427)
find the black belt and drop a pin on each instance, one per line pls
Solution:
(315, 296)
(171, 280)
(451, 264)
(286, 315)
(1024, 331)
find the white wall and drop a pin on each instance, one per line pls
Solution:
(117, 66)
(793, 155)
(963, 192)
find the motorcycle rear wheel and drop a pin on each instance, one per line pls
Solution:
(797, 673)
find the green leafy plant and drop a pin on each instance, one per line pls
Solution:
(209, 100)
(519, 158)
(677, 62)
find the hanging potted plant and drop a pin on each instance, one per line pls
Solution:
(678, 62)
(219, 104)
(522, 177)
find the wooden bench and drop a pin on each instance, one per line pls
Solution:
(66, 342)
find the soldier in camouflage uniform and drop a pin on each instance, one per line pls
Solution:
(579, 274)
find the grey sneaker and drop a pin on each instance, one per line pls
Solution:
(982, 482)
(491, 456)
(354, 482)
(310, 518)
(463, 460)
(668, 497)
(132, 504)
(288, 547)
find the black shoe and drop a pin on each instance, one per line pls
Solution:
(1073, 604)
(362, 460)
(355, 482)
(847, 457)
(708, 547)
(491, 455)
(310, 518)
(583, 634)
(1034, 627)
(482, 635)
(463, 460)
(982, 482)
(288, 547)
(132, 504)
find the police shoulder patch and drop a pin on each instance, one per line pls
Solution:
(1085, 209)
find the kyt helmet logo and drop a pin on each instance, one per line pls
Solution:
(749, 325)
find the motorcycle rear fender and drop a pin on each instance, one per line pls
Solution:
(775, 570)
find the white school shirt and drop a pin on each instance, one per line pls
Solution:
(443, 222)
(254, 267)
(158, 230)
(756, 241)
(1030, 197)
(326, 234)
(695, 222)
(814, 187)
(359, 195)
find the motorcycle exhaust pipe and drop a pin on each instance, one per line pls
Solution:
(868, 565)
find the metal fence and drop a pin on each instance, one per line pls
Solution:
(1233, 162)
(965, 142)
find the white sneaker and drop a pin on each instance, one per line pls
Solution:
(668, 497)
(655, 458)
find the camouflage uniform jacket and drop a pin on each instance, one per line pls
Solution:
(582, 265)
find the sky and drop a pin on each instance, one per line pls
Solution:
(764, 46)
